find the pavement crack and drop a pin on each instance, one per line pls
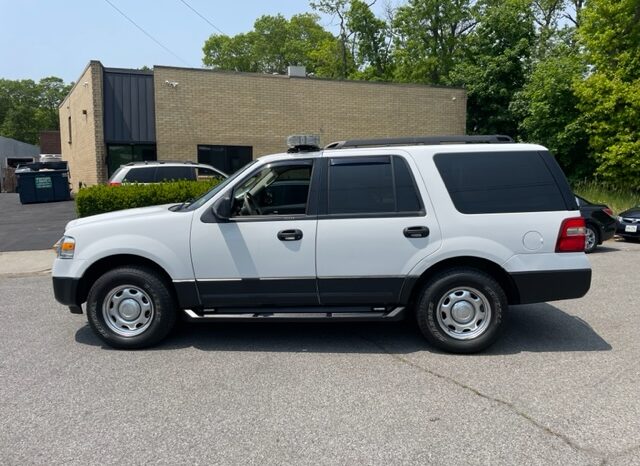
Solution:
(510, 406)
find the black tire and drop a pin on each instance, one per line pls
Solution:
(594, 231)
(478, 285)
(163, 307)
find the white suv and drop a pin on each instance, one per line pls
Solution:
(157, 172)
(450, 230)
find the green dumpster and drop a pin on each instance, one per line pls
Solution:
(39, 183)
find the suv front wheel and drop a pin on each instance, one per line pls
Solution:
(461, 310)
(131, 307)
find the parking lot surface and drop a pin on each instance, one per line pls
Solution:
(32, 226)
(561, 387)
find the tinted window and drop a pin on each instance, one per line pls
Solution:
(496, 182)
(204, 173)
(175, 173)
(406, 191)
(361, 185)
(140, 175)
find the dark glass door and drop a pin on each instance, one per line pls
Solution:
(122, 154)
(229, 159)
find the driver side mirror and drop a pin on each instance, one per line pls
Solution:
(222, 208)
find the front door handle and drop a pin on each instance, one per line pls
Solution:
(290, 235)
(416, 232)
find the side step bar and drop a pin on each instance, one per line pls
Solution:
(263, 314)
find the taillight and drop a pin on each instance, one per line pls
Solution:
(608, 211)
(572, 235)
(114, 183)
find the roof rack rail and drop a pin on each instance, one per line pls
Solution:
(420, 140)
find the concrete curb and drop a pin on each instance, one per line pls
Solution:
(25, 263)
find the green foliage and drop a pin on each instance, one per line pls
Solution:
(371, 43)
(610, 94)
(27, 107)
(273, 44)
(546, 108)
(103, 198)
(430, 38)
(617, 198)
(495, 64)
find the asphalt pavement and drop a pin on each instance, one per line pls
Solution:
(561, 387)
(31, 227)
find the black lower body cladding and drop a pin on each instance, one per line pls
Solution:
(551, 285)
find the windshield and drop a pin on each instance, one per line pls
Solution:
(217, 188)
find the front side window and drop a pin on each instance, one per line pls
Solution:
(371, 185)
(206, 173)
(274, 190)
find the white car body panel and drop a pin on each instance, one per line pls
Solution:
(235, 250)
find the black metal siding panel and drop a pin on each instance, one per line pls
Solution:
(129, 107)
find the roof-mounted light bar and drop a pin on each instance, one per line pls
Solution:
(303, 143)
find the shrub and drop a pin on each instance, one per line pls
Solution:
(102, 198)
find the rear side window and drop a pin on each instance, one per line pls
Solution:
(175, 173)
(499, 182)
(371, 185)
(140, 175)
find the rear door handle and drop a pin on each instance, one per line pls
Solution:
(416, 232)
(290, 235)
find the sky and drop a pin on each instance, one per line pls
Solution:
(40, 38)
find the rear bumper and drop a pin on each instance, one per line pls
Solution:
(551, 285)
(65, 290)
(607, 232)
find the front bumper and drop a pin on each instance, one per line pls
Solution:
(621, 230)
(551, 285)
(65, 290)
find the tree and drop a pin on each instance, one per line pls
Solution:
(371, 45)
(273, 44)
(27, 107)
(547, 111)
(609, 97)
(495, 64)
(364, 40)
(429, 39)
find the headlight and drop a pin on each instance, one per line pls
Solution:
(65, 247)
(619, 219)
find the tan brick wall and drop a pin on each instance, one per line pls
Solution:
(86, 151)
(210, 107)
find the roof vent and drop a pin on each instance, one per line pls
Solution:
(296, 71)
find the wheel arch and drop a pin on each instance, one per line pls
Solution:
(599, 229)
(411, 290)
(103, 265)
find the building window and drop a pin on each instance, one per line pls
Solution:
(122, 154)
(69, 126)
(229, 159)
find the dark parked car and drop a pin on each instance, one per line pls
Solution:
(628, 225)
(600, 222)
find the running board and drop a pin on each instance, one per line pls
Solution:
(393, 314)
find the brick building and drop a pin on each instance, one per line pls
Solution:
(115, 116)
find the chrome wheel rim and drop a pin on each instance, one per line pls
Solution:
(464, 313)
(590, 238)
(128, 310)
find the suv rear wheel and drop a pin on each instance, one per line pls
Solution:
(130, 307)
(461, 310)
